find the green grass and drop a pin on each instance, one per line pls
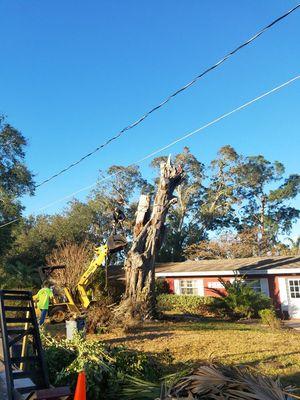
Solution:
(275, 353)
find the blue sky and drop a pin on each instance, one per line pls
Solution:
(75, 72)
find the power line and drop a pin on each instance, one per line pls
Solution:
(187, 135)
(191, 83)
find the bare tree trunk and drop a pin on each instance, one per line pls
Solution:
(139, 297)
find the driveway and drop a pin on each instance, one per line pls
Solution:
(293, 323)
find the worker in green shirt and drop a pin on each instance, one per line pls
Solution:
(43, 297)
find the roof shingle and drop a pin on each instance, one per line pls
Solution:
(242, 265)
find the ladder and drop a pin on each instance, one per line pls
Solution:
(22, 349)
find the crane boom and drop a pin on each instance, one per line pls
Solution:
(84, 280)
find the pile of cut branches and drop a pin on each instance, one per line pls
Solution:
(225, 382)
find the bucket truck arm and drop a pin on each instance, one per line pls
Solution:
(84, 280)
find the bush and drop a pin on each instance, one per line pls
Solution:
(240, 300)
(58, 358)
(66, 358)
(161, 287)
(135, 363)
(75, 257)
(185, 303)
(106, 368)
(268, 317)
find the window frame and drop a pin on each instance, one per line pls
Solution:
(257, 288)
(292, 288)
(194, 287)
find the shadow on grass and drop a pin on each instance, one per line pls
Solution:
(146, 336)
(292, 379)
(204, 325)
(272, 359)
(209, 326)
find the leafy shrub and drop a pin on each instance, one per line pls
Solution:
(161, 287)
(58, 359)
(240, 300)
(135, 363)
(106, 368)
(66, 358)
(185, 303)
(268, 317)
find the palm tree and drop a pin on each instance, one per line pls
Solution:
(295, 245)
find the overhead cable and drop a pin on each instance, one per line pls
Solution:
(187, 135)
(192, 82)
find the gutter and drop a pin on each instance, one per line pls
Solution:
(278, 271)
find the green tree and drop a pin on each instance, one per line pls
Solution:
(231, 245)
(223, 194)
(37, 237)
(18, 276)
(249, 195)
(15, 180)
(265, 206)
(123, 182)
(125, 185)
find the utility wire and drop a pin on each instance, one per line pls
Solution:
(187, 135)
(191, 83)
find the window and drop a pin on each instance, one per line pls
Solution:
(254, 284)
(294, 286)
(188, 287)
(215, 285)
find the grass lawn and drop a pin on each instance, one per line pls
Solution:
(275, 353)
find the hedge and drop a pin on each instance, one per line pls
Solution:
(184, 303)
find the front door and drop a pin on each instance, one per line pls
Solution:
(294, 297)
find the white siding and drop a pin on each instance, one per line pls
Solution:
(283, 294)
(200, 285)
(176, 286)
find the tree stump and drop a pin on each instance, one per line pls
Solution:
(139, 299)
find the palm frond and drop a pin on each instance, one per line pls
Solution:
(222, 382)
(136, 388)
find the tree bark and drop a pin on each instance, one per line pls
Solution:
(139, 297)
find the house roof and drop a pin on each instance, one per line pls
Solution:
(253, 265)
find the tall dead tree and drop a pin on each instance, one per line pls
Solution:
(139, 297)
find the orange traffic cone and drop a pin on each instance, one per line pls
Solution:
(80, 392)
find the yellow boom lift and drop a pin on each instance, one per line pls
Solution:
(64, 302)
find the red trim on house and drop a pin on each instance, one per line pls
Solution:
(274, 291)
(170, 282)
